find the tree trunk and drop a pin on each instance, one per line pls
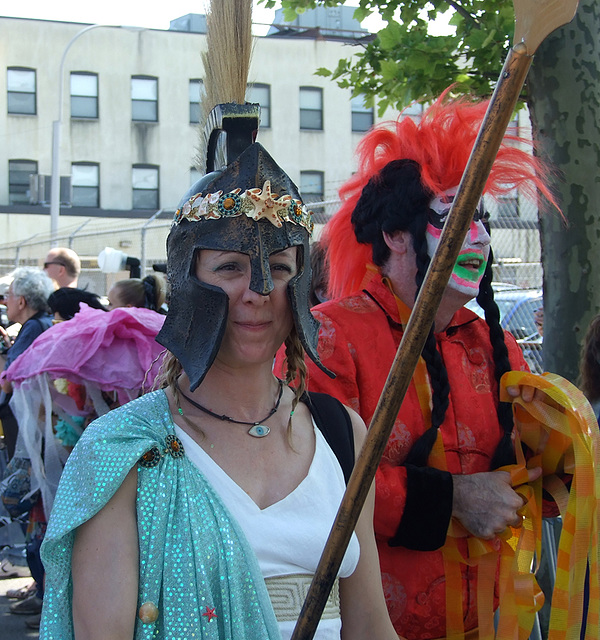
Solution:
(564, 102)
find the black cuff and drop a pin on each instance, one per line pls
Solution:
(427, 511)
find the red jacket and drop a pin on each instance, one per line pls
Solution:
(358, 340)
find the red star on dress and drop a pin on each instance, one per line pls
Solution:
(210, 613)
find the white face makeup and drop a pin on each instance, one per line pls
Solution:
(474, 254)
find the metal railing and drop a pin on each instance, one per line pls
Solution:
(515, 240)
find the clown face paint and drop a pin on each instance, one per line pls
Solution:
(474, 254)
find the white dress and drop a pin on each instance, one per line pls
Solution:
(301, 521)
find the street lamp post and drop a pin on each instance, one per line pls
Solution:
(56, 135)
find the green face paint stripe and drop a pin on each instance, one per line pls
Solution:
(468, 274)
(470, 256)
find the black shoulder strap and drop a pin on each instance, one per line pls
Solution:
(334, 423)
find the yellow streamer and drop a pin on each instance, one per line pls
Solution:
(566, 419)
(562, 425)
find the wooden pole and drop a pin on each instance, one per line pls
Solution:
(469, 192)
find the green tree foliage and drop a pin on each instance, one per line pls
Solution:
(405, 62)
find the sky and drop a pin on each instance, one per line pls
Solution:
(122, 12)
(156, 15)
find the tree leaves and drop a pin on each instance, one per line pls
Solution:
(407, 61)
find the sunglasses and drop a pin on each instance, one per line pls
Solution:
(47, 264)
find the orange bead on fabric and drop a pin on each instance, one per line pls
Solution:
(148, 613)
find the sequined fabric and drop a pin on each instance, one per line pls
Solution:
(195, 563)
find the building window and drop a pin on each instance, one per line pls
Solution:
(85, 184)
(311, 108)
(84, 95)
(144, 99)
(363, 117)
(196, 96)
(312, 186)
(508, 204)
(144, 180)
(261, 93)
(20, 85)
(18, 180)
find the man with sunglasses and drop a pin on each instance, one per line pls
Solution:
(63, 266)
(441, 463)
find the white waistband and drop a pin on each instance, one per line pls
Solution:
(288, 594)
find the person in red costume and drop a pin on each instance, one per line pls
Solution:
(379, 246)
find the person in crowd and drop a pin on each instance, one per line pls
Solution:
(215, 494)
(589, 365)
(318, 265)
(89, 362)
(147, 293)
(379, 246)
(589, 383)
(63, 266)
(27, 304)
(64, 302)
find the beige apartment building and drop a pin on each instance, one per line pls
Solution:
(128, 113)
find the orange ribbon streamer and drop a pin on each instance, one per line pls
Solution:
(561, 425)
(420, 378)
(564, 417)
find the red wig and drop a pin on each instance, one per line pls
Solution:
(441, 144)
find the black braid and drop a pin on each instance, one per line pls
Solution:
(396, 200)
(504, 453)
(438, 375)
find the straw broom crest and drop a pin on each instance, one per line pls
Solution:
(226, 61)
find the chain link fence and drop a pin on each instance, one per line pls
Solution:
(515, 239)
(145, 240)
(514, 231)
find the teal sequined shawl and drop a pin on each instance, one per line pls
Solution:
(193, 554)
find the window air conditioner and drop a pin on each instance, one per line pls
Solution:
(40, 188)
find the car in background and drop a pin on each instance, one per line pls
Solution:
(517, 307)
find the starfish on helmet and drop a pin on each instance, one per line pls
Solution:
(268, 205)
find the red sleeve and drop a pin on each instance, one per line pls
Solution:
(430, 489)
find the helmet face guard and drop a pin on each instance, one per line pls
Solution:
(251, 207)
